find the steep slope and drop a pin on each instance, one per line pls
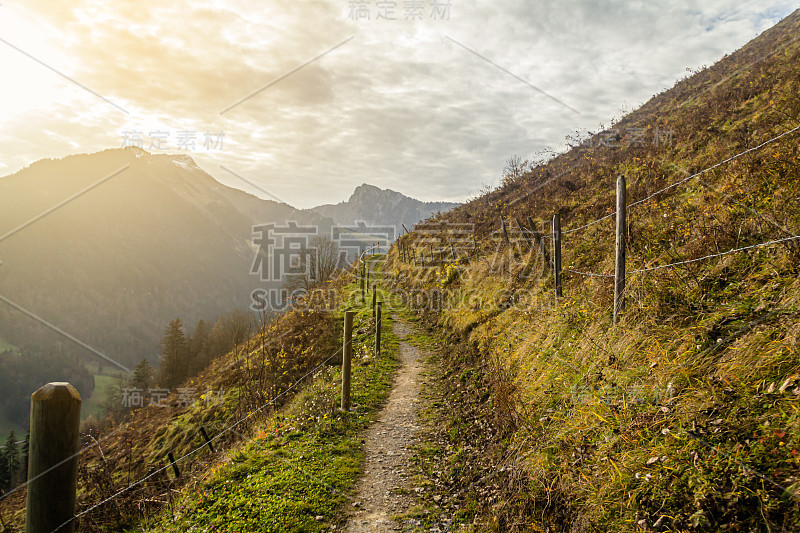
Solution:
(158, 240)
(383, 207)
(282, 455)
(683, 415)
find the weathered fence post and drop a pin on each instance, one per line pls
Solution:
(453, 252)
(205, 438)
(505, 232)
(362, 285)
(171, 459)
(347, 356)
(53, 458)
(619, 266)
(374, 299)
(378, 320)
(557, 253)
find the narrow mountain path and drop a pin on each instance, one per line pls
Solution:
(384, 490)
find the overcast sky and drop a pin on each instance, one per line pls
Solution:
(411, 95)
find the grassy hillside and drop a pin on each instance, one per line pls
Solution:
(279, 442)
(303, 462)
(683, 416)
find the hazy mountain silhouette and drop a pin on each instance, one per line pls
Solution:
(161, 239)
(377, 206)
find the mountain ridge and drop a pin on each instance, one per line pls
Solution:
(136, 216)
(373, 205)
(161, 238)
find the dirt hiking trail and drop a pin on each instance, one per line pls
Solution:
(384, 490)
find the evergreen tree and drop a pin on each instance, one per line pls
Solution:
(12, 455)
(5, 475)
(9, 463)
(174, 351)
(26, 447)
(199, 356)
(142, 376)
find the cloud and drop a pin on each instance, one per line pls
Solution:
(400, 105)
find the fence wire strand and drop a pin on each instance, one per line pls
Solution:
(589, 224)
(712, 167)
(684, 180)
(591, 274)
(710, 256)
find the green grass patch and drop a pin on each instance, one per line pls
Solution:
(94, 404)
(302, 465)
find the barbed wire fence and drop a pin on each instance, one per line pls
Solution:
(406, 250)
(408, 253)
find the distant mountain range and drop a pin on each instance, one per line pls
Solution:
(147, 238)
(381, 207)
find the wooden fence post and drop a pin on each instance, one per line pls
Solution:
(171, 459)
(374, 299)
(205, 438)
(453, 252)
(505, 232)
(378, 320)
(619, 266)
(53, 458)
(557, 253)
(362, 285)
(347, 357)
